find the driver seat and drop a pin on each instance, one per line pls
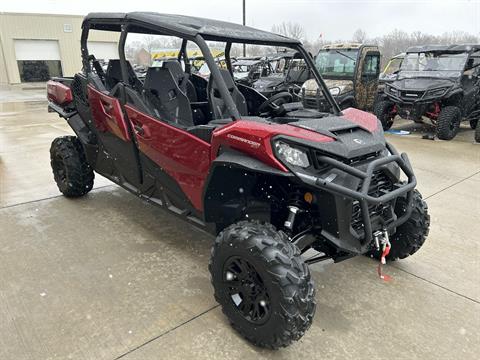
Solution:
(217, 104)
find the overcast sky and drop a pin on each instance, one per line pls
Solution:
(333, 19)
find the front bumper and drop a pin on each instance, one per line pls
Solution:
(344, 196)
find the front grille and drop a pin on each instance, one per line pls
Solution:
(380, 185)
(310, 103)
(351, 161)
(411, 95)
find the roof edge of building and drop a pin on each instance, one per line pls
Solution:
(42, 14)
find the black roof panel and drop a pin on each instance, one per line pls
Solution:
(187, 26)
(443, 48)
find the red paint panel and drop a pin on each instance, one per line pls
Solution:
(107, 113)
(362, 118)
(59, 93)
(254, 138)
(183, 156)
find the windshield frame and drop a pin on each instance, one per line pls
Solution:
(223, 87)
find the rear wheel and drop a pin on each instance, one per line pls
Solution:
(473, 124)
(383, 111)
(262, 284)
(71, 171)
(477, 133)
(448, 122)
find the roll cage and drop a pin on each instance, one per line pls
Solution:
(198, 31)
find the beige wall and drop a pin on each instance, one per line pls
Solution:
(3, 68)
(44, 27)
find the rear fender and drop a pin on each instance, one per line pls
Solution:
(86, 137)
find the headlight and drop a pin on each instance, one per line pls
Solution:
(437, 92)
(334, 91)
(392, 91)
(292, 155)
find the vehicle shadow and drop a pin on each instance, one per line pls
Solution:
(465, 133)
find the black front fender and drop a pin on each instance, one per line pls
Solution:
(231, 187)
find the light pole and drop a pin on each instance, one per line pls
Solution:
(244, 16)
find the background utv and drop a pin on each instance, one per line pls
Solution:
(270, 179)
(439, 82)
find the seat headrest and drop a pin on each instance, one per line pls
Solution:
(227, 77)
(175, 69)
(153, 77)
(114, 71)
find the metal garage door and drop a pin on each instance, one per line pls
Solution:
(103, 50)
(37, 50)
(38, 60)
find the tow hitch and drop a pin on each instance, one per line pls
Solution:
(382, 243)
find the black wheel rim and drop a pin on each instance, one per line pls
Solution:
(59, 168)
(246, 290)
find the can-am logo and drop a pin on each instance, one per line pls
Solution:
(246, 141)
(359, 141)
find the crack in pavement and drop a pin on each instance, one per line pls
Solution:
(452, 185)
(166, 332)
(438, 285)
(47, 198)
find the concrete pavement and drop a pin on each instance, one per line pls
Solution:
(109, 276)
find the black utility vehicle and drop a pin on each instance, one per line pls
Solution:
(439, 82)
(268, 178)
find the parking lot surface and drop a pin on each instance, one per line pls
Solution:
(108, 276)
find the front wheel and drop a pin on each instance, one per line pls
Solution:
(473, 124)
(383, 110)
(262, 284)
(448, 122)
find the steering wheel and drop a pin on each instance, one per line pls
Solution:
(274, 104)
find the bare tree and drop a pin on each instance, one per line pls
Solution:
(359, 36)
(292, 30)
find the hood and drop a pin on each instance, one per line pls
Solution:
(383, 78)
(240, 75)
(355, 133)
(418, 84)
(311, 86)
(268, 82)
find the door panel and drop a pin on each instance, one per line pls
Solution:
(181, 155)
(366, 81)
(114, 133)
(107, 114)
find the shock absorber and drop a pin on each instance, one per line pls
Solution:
(292, 213)
(294, 207)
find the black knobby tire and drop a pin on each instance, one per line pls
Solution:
(71, 171)
(281, 271)
(477, 133)
(473, 124)
(383, 111)
(448, 122)
(411, 235)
